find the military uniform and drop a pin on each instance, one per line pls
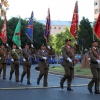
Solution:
(15, 62)
(43, 65)
(94, 54)
(3, 61)
(68, 53)
(27, 55)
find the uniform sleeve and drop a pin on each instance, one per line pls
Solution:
(65, 56)
(92, 57)
(19, 51)
(39, 55)
(10, 54)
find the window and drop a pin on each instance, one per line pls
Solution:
(64, 27)
(54, 27)
(96, 11)
(59, 28)
(95, 3)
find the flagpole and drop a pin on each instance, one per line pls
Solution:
(93, 35)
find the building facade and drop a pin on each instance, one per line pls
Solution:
(57, 26)
(96, 8)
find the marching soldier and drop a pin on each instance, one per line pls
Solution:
(15, 62)
(3, 60)
(27, 57)
(95, 67)
(68, 64)
(43, 65)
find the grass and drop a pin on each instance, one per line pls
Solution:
(77, 70)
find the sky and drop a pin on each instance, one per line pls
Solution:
(59, 9)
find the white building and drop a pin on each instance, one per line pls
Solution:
(96, 8)
(57, 26)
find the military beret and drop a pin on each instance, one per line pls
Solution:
(67, 40)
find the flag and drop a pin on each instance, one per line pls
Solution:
(16, 37)
(74, 23)
(29, 30)
(47, 27)
(97, 28)
(6, 3)
(3, 33)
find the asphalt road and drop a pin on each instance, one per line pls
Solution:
(10, 90)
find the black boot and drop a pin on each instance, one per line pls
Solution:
(90, 90)
(10, 77)
(39, 78)
(21, 80)
(29, 83)
(17, 81)
(38, 81)
(61, 85)
(69, 89)
(22, 76)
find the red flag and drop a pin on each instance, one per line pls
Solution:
(3, 33)
(74, 24)
(97, 27)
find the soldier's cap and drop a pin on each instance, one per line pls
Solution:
(26, 43)
(13, 44)
(94, 41)
(43, 45)
(67, 40)
(2, 44)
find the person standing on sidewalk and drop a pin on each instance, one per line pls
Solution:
(68, 63)
(27, 54)
(94, 54)
(15, 62)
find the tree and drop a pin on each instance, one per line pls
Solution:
(58, 40)
(38, 32)
(85, 34)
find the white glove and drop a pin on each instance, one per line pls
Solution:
(75, 42)
(0, 57)
(98, 61)
(44, 58)
(70, 60)
(89, 59)
(32, 46)
(20, 48)
(12, 59)
(7, 45)
(24, 59)
(49, 47)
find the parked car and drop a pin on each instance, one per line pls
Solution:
(61, 60)
(52, 60)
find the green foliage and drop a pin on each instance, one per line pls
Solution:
(38, 32)
(86, 33)
(58, 40)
